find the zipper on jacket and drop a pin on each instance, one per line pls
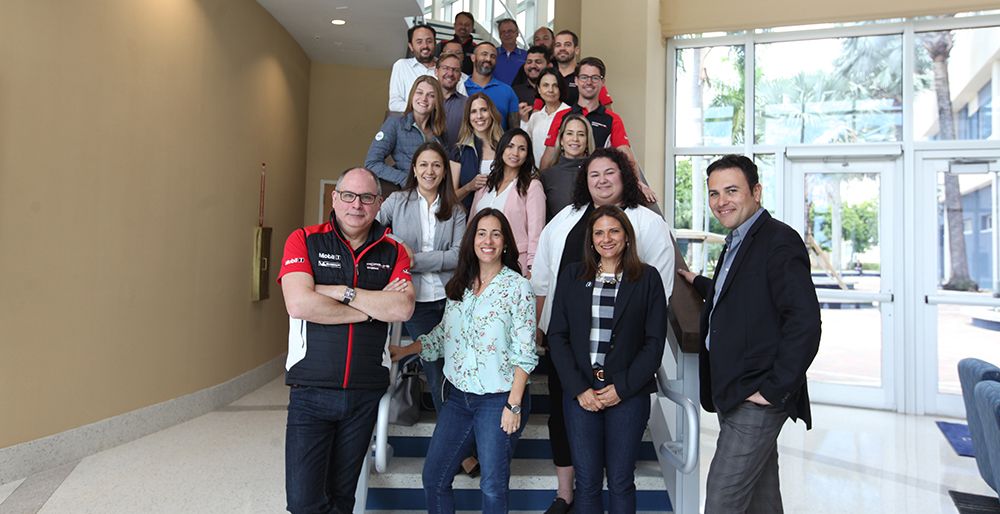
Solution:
(350, 327)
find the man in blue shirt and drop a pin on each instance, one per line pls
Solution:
(482, 79)
(510, 58)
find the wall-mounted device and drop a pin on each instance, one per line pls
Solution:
(260, 268)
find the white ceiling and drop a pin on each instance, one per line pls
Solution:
(374, 36)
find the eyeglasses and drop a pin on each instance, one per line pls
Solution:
(451, 69)
(589, 78)
(350, 196)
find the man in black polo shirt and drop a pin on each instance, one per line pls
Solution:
(526, 83)
(343, 282)
(608, 128)
(566, 52)
(465, 25)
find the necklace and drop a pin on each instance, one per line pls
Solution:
(601, 275)
(484, 282)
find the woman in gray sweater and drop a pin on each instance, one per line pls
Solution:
(428, 218)
(575, 143)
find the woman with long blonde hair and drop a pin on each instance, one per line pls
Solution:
(422, 122)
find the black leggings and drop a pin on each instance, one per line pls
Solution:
(557, 420)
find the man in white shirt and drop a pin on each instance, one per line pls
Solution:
(422, 39)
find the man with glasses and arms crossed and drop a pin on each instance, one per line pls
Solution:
(343, 282)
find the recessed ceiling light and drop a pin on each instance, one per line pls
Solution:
(338, 22)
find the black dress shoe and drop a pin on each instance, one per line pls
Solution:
(559, 506)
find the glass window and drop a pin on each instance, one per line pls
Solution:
(842, 230)
(986, 111)
(691, 212)
(965, 247)
(710, 97)
(961, 86)
(851, 348)
(841, 90)
(769, 181)
(963, 331)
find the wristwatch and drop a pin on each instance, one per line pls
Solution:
(514, 409)
(349, 295)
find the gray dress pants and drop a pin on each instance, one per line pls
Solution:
(743, 477)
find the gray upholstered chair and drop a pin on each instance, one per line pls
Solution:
(987, 399)
(970, 373)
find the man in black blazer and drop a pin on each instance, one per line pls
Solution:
(760, 331)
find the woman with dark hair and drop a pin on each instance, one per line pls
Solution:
(605, 392)
(575, 143)
(513, 187)
(476, 148)
(487, 341)
(551, 88)
(605, 178)
(423, 121)
(428, 218)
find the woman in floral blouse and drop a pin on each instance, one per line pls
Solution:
(487, 340)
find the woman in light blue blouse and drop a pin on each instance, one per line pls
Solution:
(487, 340)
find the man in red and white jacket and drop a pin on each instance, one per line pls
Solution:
(343, 282)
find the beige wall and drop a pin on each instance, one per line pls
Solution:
(131, 134)
(567, 16)
(346, 108)
(689, 17)
(631, 47)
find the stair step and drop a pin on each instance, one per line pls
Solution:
(412, 441)
(403, 446)
(532, 484)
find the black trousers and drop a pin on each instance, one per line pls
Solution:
(557, 419)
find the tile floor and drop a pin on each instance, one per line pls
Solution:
(231, 460)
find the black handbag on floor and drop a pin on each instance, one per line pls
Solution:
(404, 404)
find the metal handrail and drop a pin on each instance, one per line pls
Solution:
(682, 453)
(956, 298)
(381, 445)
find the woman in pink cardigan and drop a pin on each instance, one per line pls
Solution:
(513, 187)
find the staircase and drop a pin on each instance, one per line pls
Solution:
(667, 471)
(532, 482)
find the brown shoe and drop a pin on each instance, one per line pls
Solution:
(471, 466)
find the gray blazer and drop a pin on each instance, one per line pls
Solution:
(401, 211)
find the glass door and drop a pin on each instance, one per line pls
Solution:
(842, 209)
(958, 270)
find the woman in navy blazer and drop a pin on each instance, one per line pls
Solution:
(606, 335)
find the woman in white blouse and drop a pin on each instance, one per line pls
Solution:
(487, 341)
(552, 88)
(429, 219)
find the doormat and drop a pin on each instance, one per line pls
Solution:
(967, 503)
(958, 437)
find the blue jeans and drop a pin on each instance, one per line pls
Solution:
(609, 441)
(464, 419)
(326, 440)
(426, 316)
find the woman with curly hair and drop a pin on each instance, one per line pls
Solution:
(605, 178)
